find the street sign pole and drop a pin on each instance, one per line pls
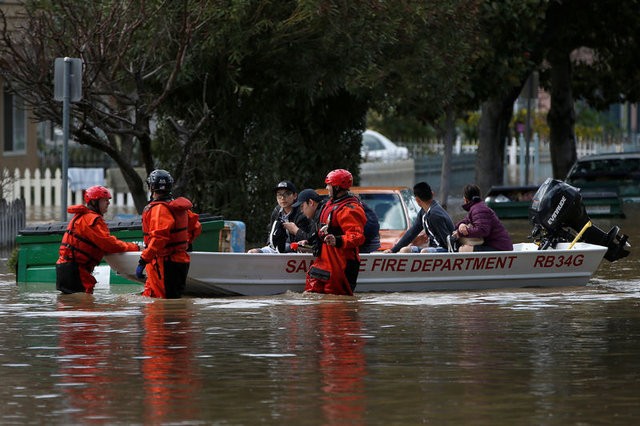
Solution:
(66, 86)
(68, 89)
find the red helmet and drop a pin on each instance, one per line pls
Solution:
(96, 193)
(340, 177)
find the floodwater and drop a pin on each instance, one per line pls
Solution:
(528, 356)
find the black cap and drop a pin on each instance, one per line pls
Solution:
(285, 184)
(306, 195)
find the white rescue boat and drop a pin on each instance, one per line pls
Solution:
(243, 274)
(557, 214)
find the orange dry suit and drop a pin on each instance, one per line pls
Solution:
(169, 227)
(84, 244)
(335, 270)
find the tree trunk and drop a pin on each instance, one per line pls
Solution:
(118, 148)
(445, 174)
(136, 186)
(561, 117)
(494, 133)
(134, 182)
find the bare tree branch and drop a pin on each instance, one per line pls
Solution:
(133, 52)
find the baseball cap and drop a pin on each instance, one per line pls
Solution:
(306, 195)
(285, 184)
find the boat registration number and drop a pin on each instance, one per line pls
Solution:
(551, 260)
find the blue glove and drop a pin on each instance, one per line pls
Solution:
(140, 272)
(140, 269)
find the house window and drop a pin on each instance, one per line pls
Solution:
(15, 123)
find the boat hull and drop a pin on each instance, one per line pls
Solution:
(229, 274)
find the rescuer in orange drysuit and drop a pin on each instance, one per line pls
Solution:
(169, 227)
(335, 269)
(85, 243)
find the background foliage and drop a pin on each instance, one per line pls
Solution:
(232, 96)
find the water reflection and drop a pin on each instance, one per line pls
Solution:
(105, 357)
(321, 362)
(168, 363)
(84, 353)
(341, 363)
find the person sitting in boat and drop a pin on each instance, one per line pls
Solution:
(169, 228)
(481, 224)
(85, 243)
(432, 218)
(311, 203)
(280, 238)
(342, 220)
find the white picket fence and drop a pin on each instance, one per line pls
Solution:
(517, 148)
(583, 147)
(45, 189)
(540, 158)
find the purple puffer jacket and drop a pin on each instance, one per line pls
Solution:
(483, 223)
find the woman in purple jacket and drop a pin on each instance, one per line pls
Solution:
(481, 222)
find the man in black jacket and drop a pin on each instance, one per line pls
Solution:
(279, 239)
(310, 204)
(432, 218)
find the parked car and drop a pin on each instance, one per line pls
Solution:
(377, 147)
(396, 209)
(617, 172)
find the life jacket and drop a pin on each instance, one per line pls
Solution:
(179, 233)
(76, 248)
(327, 214)
(371, 228)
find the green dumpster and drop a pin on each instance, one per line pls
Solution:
(38, 246)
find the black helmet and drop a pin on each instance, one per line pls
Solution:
(160, 180)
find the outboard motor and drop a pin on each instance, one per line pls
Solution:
(557, 214)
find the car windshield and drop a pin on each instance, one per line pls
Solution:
(371, 143)
(604, 170)
(620, 174)
(410, 201)
(389, 209)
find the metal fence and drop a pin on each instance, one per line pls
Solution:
(12, 220)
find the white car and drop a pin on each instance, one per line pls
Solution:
(377, 147)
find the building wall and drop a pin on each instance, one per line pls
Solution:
(27, 158)
(22, 159)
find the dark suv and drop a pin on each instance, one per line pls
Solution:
(618, 172)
